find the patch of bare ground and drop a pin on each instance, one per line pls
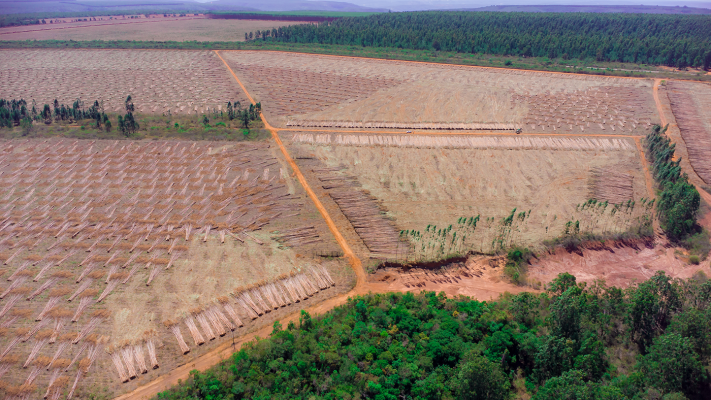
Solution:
(618, 264)
(134, 253)
(159, 81)
(337, 90)
(479, 277)
(153, 29)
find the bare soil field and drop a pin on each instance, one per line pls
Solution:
(327, 91)
(618, 264)
(130, 255)
(176, 29)
(426, 183)
(160, 81)
(691, 106)
(479, 277)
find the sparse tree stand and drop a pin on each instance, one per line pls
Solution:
(127, 124)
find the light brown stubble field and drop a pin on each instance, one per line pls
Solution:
(168, 29)
(159, 81)
(306, 88)
(209, 224)
(421, 186)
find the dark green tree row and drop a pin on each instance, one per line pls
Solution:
(679, 200)
(19, 112)
(573, 342)
(673, 40)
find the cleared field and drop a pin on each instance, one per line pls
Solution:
(311, 90)
(163, 29)
(691, 105)
(159, 81)
(130, 255)
(425, 182)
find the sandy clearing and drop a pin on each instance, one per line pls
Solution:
(619, 265)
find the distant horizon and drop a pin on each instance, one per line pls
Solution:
(200, 6)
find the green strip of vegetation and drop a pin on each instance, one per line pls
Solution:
(575, 341)
(589, 67)
(679, 200)
(20, 119)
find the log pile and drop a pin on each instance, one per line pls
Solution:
(175, 330)
(116, 358)
(197, 336)
(468, 142)
(216, 318)
(405, 125)
(150, 337)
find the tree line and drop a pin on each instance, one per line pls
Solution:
(20, 113)
(673, 40)
(575, 341)
(679, 200)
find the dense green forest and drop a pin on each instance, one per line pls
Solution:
(673, 40)
(572, 342)
(679, 200)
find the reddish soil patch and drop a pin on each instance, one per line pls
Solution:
(479, 277)
(618, 264)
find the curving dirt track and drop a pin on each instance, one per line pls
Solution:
(378, 283)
